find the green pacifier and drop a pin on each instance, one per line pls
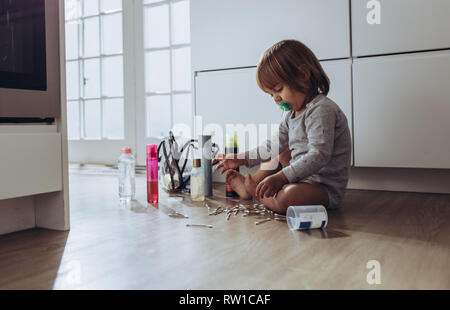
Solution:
(284, 105)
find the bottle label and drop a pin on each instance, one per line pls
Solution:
(152, 171)
(312, 220)
(231, 150)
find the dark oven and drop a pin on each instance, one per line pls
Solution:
(29, 59)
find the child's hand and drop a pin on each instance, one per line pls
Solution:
(271, 185)
(229, 161)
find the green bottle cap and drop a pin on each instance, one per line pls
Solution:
(231, 141)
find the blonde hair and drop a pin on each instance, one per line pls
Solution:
(292, 63)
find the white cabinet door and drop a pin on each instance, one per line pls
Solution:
(235, 33)
(232, 97)
(405, 25)
(401, 110)
(340, 74)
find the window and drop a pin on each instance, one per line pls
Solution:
(94, 69)
(125, 89)
(167, 65)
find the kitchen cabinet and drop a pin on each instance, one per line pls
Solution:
(233, 97)
(34, 181)
(401, 109)
(340, 74)
(235, 33)
(405, 26)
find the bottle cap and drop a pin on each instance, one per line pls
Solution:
(151, 150)
(197, 163)
(231, 141)
(125, 150)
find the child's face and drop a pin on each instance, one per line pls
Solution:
(282, 92)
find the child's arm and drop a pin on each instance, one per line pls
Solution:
(228, 161)
(271, 148)
(320, 129)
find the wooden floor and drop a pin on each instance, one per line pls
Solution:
(140, 247)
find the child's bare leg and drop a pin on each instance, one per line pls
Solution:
(298, 194)
(291, 194)
(239, 183)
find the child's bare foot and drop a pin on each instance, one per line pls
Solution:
(250, 185)
(236, 181)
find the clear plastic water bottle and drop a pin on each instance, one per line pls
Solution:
(127, 173)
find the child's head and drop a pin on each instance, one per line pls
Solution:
(292, 63)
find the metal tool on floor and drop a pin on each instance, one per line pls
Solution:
(199, 225)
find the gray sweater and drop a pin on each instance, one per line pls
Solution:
(320, 144)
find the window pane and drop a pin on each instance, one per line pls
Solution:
(158, 116)
(72, 9)
(92, 78)
(92, 119)
(157, 71)
(112, 34)
(72, 80)
(156, 25)
(91, 37)
(113, 119)
(72, 40)
(73, 120)
(181, 70)
(182, 109)
(112, 76)
(181, 31)
(90, 7)
(111, 5)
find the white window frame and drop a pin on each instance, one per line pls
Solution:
(141, 97)
(106, 151)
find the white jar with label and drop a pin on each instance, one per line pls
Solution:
(306, 217)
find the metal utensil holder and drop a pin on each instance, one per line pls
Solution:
(173, 160)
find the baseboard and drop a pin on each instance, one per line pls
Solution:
(401, 179)
(390, 179)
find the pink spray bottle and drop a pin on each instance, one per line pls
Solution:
(152, 173)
